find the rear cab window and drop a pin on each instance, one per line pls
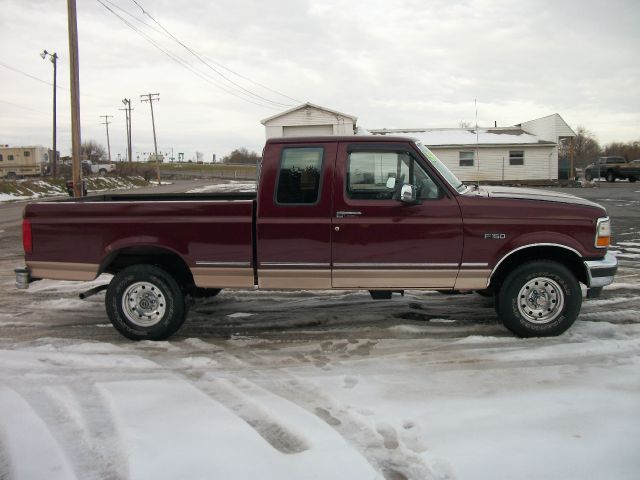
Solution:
(299, 176)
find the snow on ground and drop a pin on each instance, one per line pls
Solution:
(317, 385)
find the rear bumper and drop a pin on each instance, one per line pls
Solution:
(601, 272)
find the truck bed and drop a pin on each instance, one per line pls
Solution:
(212, 233)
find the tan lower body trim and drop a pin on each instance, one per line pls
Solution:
(472, 279)
(394, 279)
(295, 279)
(63, 270)
(212, 277)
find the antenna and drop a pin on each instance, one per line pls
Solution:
(475, 102)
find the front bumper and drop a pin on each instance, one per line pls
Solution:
(601, 272)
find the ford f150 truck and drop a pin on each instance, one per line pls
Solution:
(362, 212)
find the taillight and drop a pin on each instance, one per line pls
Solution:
(27, 237)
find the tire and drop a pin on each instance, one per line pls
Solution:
(611, 177)
(12, 176)
(588, 177)
(102, 171)
(633, 179)
(144, 302)
(545, 315)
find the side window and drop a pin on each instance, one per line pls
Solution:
(516, 157)
(299, 176)
(380, 175)
(466, 159)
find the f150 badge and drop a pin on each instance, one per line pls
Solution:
(494, 236)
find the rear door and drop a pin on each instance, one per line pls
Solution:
(294, 216)
(380, 242)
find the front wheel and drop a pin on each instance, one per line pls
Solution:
(633, 179)
(144, 302)
(588, 177)
(539, 299)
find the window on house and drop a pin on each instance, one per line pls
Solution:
(516, 157)
(27, 153)
(9, 157)
(466, 159)
(380, 175)
(1, 159)
(299, 177)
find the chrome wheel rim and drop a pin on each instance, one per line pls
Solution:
(540, 300)
(144, 304)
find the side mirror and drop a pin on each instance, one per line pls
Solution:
(408, 193)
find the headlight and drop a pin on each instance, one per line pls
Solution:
(603, 232)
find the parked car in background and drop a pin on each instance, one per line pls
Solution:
(98, 168)
(612, 168)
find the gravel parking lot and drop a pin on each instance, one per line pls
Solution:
(322, 384)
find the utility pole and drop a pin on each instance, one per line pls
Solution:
(75, 97)
(54, 60)
(127, 110)
(106, 123)
(153, 97)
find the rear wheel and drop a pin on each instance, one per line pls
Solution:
(539, 299)
(588, 177)
(144, 302)
(632, 179)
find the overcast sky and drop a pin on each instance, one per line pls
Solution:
(402, 63)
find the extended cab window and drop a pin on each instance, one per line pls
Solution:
(380, 175)
(299, 176)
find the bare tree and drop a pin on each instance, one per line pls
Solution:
(463, 124)
(629, 150)
(586, 147)
(92, 150)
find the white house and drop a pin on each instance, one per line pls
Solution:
(309, 120)
(527, 151)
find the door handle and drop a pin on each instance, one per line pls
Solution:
(342, 214)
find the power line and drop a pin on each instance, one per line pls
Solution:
(181, 62)
(2, 64)
(24, 108)
(199, 57)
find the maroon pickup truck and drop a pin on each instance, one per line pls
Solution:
(376, 213)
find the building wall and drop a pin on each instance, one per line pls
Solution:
(549, 128)
(540, 163)
(309, 116)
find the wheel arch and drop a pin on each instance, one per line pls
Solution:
(166, 258)
(567, 256)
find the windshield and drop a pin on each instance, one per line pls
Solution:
(442, 168)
